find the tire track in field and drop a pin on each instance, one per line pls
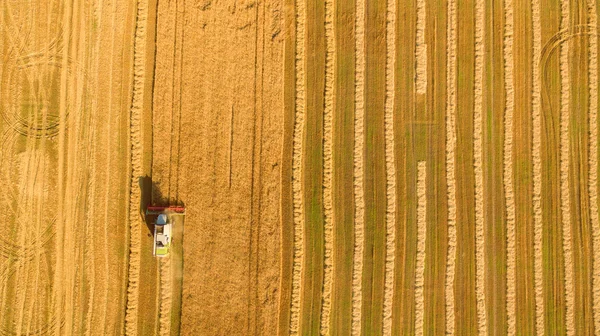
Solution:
(359, 194)
(593, 161)
(31, 173)
(390, 166)
(107, 169)
(297, 176)
(478, 167)
(537, 168)
(26, 181)
(139, 62)
(565, 204)
(450, 165)
(92, 213)
(329, 267)
(58, 297)
(508, 169)
(421, 236)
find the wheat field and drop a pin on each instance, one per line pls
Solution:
(348, 167)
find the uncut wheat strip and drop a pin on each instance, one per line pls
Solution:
(421, 49)
(421, 236)
(359, 194)
(565, 204)
(508, 168)
(478, 168)
(297, 176)
(450, 164)
(390, 166)
(328, 270)
(537, 168)
(139, 62)
(593, 160)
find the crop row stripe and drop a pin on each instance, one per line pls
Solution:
(478, 168)
(565, 204)
(297, 176)
(328, 166)
(421, 236)
(359, 216)
(508, 168)
(537, 169)
(450, 165)
(593, 160)
(390, 167)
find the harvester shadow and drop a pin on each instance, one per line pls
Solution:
(152, 195)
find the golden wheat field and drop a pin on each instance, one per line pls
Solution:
(347, 167)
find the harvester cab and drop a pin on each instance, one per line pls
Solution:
(163, 227)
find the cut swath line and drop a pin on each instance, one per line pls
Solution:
(478, 169)
(508, 169)
(165, 297)
(593, 160)
(537, 169)
(359, 199)
(328, 166)
(390, 167)
(421, 235)
(450, 165)
(421, 48)
(298, 199)
(139, 63)
(565, 204)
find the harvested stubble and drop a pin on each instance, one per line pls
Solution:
(508, 168)
(450, 165)
(343, 161)
(164, 323)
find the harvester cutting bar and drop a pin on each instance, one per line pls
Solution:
(156, 210)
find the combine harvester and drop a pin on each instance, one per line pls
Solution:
(163, 227)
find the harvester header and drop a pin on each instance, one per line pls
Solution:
(173, 210)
